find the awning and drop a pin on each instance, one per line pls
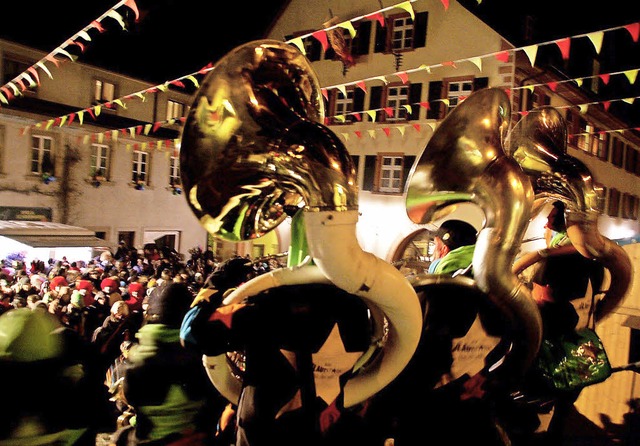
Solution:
(62, 241)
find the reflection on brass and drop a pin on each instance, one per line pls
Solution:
(464, 161)
(538, 142)
(253, 150)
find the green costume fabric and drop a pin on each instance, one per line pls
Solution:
(457, 259)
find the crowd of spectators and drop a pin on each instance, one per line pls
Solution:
(101, 301)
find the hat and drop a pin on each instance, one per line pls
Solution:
(136, 290)
(109, 283)
(230, 273)
(456, 233)
(168, 304)
(57, 281)
(29, 335)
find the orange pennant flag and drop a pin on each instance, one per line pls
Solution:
(376, 16)
(362, 85)
(404, 77)
(132, 5)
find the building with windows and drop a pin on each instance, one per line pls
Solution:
(94, 149)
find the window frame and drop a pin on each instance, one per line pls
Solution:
(140, 160)
(100, 93)
(38, 155)
(174, 170)
(97, 169)
(396, 102)
(382, 168)
(175, 109)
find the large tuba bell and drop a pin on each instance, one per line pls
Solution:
(464, 161)
(538, 142)
(253, 151)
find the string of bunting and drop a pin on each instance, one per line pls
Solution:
(30, 78)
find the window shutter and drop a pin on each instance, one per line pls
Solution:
(480, 82)
(375, 100)
(420, 29)
(435, 92)
(406, 169)
(358, 100)
(415, 90)
(380, 45)
(363, 37)
(369, 172)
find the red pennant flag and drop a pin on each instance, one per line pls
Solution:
(358, 133)
(508, 91)
(108, 104)
(389, 111)
(97, 25)
(205, 68)
(183, 119)
(362, 86)
(606, 105)
(90, 111)
(449, 63)
(417, 127)
(387, 130)
(553, 86)
(57, 120)
(565, 46)
(34, 72)
(404, 77)
(7, 92)
(123, 131)
(177, 83)
(424, 105)
(357, 115)
(55, 61)
(445, 3)
(605, 78)
(20, 82)
(72, 116)
(503, 56)
(156, 126)
(131, 4)
(324, 93)
(107, 136)
(523, 113)
(376, 16)
(327, 121)
(74, 42)
(634, 30)
(138, 129)
(321, 36)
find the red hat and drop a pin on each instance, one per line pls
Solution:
(136, 296)
(57, 281)
(110, 283)
(88, 286)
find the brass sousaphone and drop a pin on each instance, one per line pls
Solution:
(253, 152)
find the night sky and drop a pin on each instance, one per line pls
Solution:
(174, 38)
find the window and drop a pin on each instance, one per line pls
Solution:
(386, 172)
(103, 92)
(631, 159)
(175, 109)
(174, 171)
(41, 155)
(629, 206)
(397, 97)
(458, 91)
(617, 152)
(140, 167)
(14, 66)
(402, 34)
(614, 202)
(344, 106)
(600, 144)
(391, 174)
(99, 160)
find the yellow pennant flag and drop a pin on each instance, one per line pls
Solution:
(372, 133)
(349, 27)
(407, 7)
(596, 40)
(147, 129)
(531, 51)
(81, 116)
(371, 114)
(477, 62)
(299, 44)
(631, 75)
(45, 69)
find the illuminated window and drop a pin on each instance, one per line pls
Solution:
(174, 171)
(41, 155)
(397, 97)
(390, 174)
(402, 34)
(99, 160)
(458, 91)
(140, 167)
(103, 92)
(175, 109)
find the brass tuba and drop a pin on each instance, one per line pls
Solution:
(538, 142)
(254, 151)
(464, 161)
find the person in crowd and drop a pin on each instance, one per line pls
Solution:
(110, 286)
(449, 388)
(283, 332)
(62, 399)
(564, 284)
(116, 328)
(164, 382)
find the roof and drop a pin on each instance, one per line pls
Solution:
(39, 234)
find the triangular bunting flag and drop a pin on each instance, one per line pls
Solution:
(362, 86)
(358, 133)
(531, 51)
(371, 114)
(321, 36)
(596, 40)
(404, 77)
(386, 130)
(583, 108)
(477, 61)
(634, 30)
(631, 75)
(407, 7)
(605, 78)
(372, 133)
(297, 41)
(445, 3)
(565, 47)
(417, 127)
(349, 27)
